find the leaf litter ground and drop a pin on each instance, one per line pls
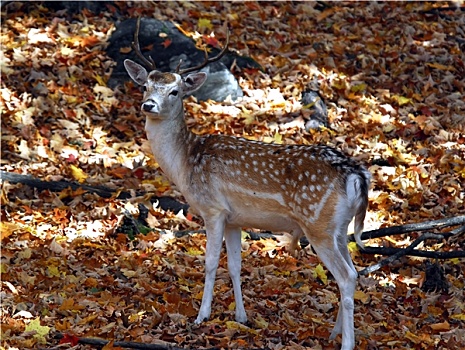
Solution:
(392, 77)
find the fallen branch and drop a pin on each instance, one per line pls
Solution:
(129, 344)
(399, 254)
(411, 251)
(57, 186)
(166, 203)
(123, 344)
(420, 226)
(415, 252)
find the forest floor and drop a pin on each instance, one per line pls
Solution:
(392, 76)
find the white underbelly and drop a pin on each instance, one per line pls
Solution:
(262, 214)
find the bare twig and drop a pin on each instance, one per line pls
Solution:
(166, 203)
(415, 252)
(131, 345)
(56, 186)
(421, 226)
(123, 344)
(206, 60)
(400, 253)
(150, 63)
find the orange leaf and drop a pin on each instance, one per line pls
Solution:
(89, 41)
(443, 326)
(120, 172)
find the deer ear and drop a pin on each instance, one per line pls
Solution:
(193, 82)
(136, 71)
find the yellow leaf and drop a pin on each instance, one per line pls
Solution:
(320, 273)
(282, 273)
(278, 138)
(78, 174)
(460, 317)
(194, 252)
(414, 338)
(358, 87)
(260, 322)
(53, 271)
(244, 235)
(401, 100)
(359, 295)
(353, 247)
(339, 84)
(8, 228)
(204, 23)
(40, 331)
(100, 80)
(3, 268)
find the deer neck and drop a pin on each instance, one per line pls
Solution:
(170, 139)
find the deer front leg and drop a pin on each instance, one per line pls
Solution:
(215, 229)
(233, 246)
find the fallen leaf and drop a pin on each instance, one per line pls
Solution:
(78, 174)
(319, 272)
(204, 23)
(39, 331)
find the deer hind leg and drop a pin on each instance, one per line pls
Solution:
(215, 230)
(233, 246)
(334, 254)
(342, 245)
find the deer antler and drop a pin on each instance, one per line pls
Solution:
(135, 45)
(206, 61)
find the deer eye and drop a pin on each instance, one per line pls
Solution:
(144, 88)
(174, 93)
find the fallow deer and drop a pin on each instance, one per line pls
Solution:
(233, 183)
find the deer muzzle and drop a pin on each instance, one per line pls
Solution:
(150, 106)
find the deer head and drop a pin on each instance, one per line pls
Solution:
(163, 92)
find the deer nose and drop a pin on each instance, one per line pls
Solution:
(150, 106)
